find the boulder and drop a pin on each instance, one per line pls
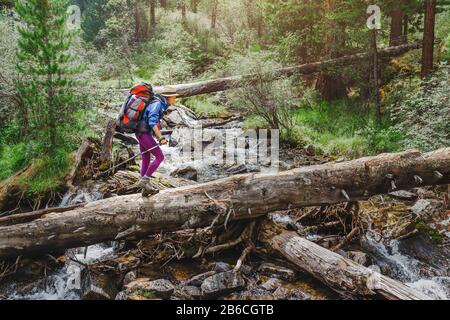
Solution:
(310, 150)
(359, 257)
(221, 267)
(272, 270)
(375, 268)
(221, 284)
(160, 288)
(188, 173)
(129, 277)
(297, 294)
(96, 286)
(425, 209)
(281, 293)
(272, 284)
(192, 291)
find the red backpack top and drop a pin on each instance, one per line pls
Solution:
(134, 106)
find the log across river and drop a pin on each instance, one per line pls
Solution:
(235, 198)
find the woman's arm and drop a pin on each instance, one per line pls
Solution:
(159, 136)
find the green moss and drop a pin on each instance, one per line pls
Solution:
(205, 106)
(424, 228)
(147, 294)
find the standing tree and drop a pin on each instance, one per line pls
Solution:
(215, 8)
(194, 4)
(43, 60)
(153, 14)
(183, 10)
(397, 19)
(428, 38)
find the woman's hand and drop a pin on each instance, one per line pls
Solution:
(163, 141)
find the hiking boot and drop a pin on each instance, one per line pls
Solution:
(147, 188)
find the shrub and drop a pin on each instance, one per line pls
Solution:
(272, 101)
(421, 109)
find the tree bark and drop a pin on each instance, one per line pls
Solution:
(137, 24)
(405, 28)
(396, 35)
(106, 153)
(428, 38)
(214, 14)
(220, 84)
(153, 14)
(332, 86)
(237, 197)
(194, 4)
(183, 10)
(343, 275)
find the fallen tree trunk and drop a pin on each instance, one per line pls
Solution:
(234, 198)
(30, 216)
(343, 275)
(214, 85)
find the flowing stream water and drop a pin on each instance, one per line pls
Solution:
(64, 283)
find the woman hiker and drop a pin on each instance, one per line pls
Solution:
(148, 133)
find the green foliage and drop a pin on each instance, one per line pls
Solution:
(48, 174)
(205, 106)
(8, 75)
(270, 100)
(147, 294)
(421, 109)
(94, 19)
(47, 171)
(342, 128)
(46, 91)
(434, 235)
(13, 158)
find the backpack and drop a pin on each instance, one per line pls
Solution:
(133, 108)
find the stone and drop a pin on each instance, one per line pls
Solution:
(297, 294)
(272, 284)
(375, 268)
(97, 286)
(281, 293)
(174, 118)
(160, 288)
(129, 277)
(221, 284)
(192, 291)
(221, 267)
(310, 150)
(403, 195)
(359, 257)
(242, 168)
(272, 270)
(198, 279)
(425, 209)
(188, 173)
(122, 295)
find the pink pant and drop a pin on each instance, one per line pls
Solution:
(146, 141)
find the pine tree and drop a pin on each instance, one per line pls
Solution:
(43, 60)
